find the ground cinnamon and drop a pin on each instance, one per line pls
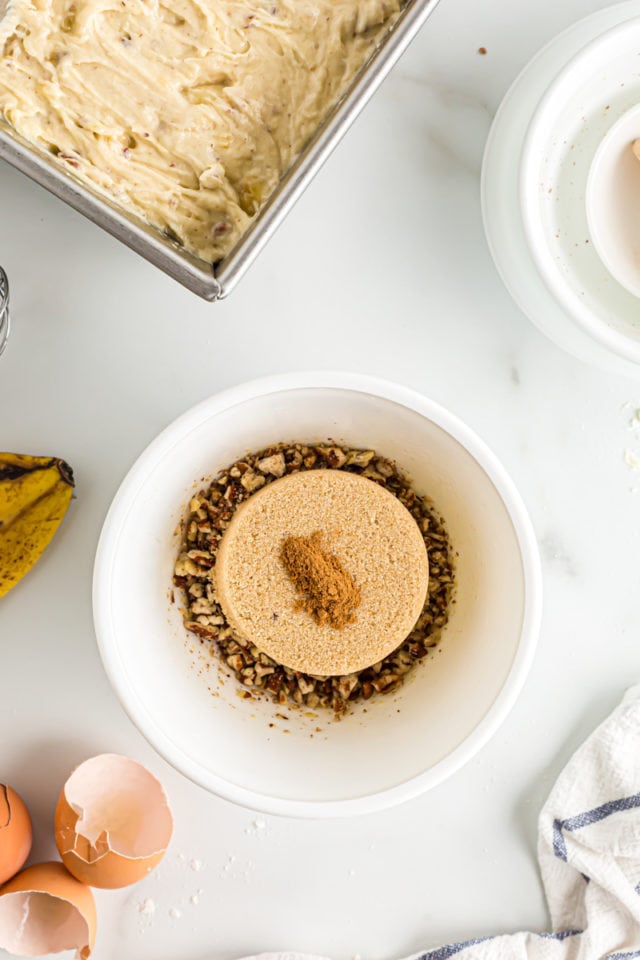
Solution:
(327, 591)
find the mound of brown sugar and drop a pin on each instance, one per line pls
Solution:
(376, 543)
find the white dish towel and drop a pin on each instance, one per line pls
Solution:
(589, 853)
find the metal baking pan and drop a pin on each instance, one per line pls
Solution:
(215, 281)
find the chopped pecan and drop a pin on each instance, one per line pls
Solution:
(273, 465)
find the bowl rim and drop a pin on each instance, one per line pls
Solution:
(528, 187)
(594, 170)
(532, 578)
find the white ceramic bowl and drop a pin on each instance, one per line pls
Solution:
(596, 86)
(503, 186)
(397, 746)
(613, 201)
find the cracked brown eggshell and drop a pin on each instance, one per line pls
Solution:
(15, 833)
(45, 910)
(112, 822)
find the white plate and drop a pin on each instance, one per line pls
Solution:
(390, 749)
(501, 188)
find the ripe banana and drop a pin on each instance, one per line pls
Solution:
(35, 493)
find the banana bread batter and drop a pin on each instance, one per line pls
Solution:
(187, 112)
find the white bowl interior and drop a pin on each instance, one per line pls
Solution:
(194, 714)
(580, 107)
(613, 201)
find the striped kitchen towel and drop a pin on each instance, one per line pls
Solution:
(589, 853)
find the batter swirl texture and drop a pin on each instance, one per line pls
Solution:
(186, 113)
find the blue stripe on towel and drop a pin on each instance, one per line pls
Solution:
(588, 818)
(562, 935)
(443, 953)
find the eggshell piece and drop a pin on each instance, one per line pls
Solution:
(45, 910)
(112, 823)
(15, 833)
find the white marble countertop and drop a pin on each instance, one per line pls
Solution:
(382, 268)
